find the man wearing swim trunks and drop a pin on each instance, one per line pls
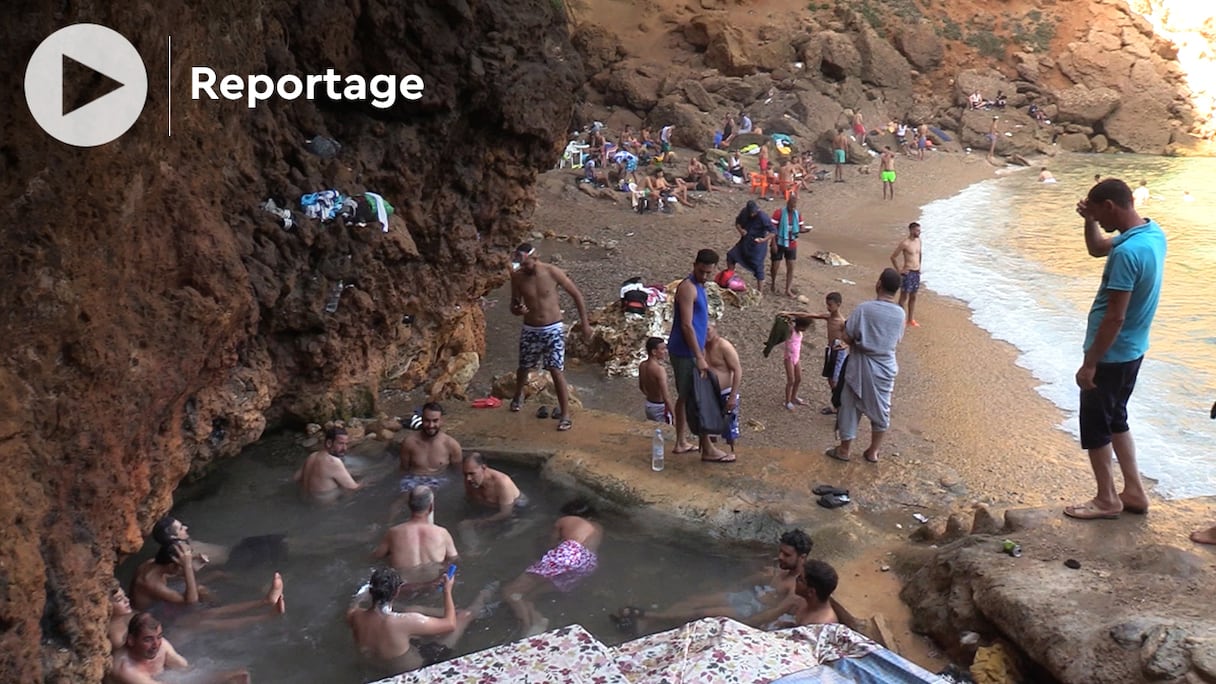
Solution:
(561, 568)
(1116, 339)
(766, 595)
(723, 361)
(886, 167)
(922, 141)
(542, 341)
(485, 487)
(788, 223)
(909, 271)
(652, 380)
(427, 453)
(839, 144)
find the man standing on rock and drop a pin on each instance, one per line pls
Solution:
(755, 230)
(686, 345)
(872, 332)
(1116, 339)
(542, 341)
(909, 271)
(840, 143)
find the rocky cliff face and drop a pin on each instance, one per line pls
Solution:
(155, 318)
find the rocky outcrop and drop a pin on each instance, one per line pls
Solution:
(1126, 615)
(920, 45)
(156, 319)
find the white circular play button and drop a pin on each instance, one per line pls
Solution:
(107, 79)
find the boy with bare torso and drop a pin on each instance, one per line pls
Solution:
(836, 351)
(723, 360)
(542, 341)
(909, 248)
(652, 380)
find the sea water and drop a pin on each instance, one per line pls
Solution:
(1013, 249)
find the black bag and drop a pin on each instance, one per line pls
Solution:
(634, 298)
(643, 205)
(704, 410)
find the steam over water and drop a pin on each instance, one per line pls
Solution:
(1013, 249)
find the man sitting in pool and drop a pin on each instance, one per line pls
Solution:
(417, 548)
(324, 476)
(493, 489)
(428, 453)
(562, 567)
(146, 654)
(766, 596)
(393, 638)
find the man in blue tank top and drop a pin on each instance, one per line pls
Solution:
(1116, 339)
(686, 345)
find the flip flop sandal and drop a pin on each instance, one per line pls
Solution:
(833, 453)
(556, 415)
(834, 500)
(564, 424)
(542, 412)
(825, 411)
(516, 405)
(820, 490)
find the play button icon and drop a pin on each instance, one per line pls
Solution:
(107, 78)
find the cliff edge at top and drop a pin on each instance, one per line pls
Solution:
(155, 317)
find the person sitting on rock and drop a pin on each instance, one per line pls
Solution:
(745, 123)
(658, 185)
(975, 100)
(1000, 101)
(699, 175)
(735, 167)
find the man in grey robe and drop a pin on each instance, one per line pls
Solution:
(872, 332)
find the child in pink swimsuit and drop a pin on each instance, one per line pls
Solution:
(793, 363)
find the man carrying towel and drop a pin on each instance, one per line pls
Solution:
(542, 341)
(755, 233)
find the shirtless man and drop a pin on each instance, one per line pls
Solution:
(417, 548)
(324, 476)
(150, 587)
(652, 380)
(146, 654)
(886, 171)
(573, 558)
(661, 188)
(250, 551)
(429, 451)
(385, 635)
(699, 175)
(840, 143)
(909, 247)
(922, 141)
(765, 597)
(486, 487)
(120, 617)
(991, 135)
(723, 360)
(814, 587)
(542, 341)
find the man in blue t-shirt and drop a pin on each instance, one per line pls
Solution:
(1116, 339)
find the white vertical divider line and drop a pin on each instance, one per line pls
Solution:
(169, 82)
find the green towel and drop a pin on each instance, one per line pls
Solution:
(779, 333)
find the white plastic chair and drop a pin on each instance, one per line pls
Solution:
(573, 155)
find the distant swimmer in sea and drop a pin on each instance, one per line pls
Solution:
(1140, 195)
(1045, 176)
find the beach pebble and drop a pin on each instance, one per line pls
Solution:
(885, 568)
(1073, 564)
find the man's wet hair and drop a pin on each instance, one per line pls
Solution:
(912, 225)
(821, 578)
(421, 499)
(797, 540)
(578, 507)
(889, 280)
(433, 406)
(474, 457)
(1114, 190)
(334, 433)
(384, 585)
(652, 343)
(141, 622)
(707, 257)
(166, 555)
(525, 248)
(834, 297)
(160, 531)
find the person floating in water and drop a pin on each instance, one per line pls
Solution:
(562, 567)
(766, 596)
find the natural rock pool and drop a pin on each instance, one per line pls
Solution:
(330, 557)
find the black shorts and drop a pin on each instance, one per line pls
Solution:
(1104, 408)
(787, 253)
(829, 361)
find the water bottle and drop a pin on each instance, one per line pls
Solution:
(335, 295)
(656, 451)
